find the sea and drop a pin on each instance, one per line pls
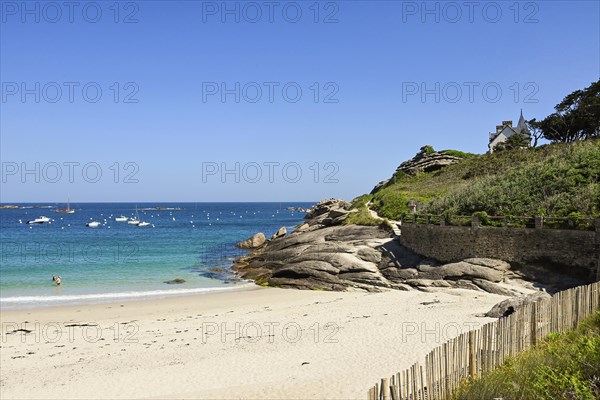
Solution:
(115, 261)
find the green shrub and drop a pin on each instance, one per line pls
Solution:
(361, 201)
(429, 150)
(457, 153)
(362, 217)
(484, 218)
(564, 366)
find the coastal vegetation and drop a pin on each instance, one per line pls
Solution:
(576, 118)
(557, 179)
(362, 217)
(554, 180)
(564, 366)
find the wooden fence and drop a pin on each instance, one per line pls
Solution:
(537, 222)
(476, 352)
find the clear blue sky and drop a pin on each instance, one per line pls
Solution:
(370, 57)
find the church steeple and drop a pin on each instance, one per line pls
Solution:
(522, 125)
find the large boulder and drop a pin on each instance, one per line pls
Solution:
(302, 227)
(330, 258)
(489, 263)
(280, 233)
(253, 242)
(461, 269)
(329, 212)
(509, 306)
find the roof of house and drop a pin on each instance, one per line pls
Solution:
(508, 130)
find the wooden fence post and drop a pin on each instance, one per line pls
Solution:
(488, 347)
(475, 221)
(539, 222)
(597, 223)
(472, 354)
(385, 389)
(534, 323)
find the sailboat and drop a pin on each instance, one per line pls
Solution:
(136, 220)
(67, 210)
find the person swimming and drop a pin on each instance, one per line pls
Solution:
(56, 279)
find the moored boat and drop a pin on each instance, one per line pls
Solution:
(39, 220)
(67, 210)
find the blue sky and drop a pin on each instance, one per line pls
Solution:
(378, 80)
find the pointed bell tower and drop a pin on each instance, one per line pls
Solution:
(522, 125)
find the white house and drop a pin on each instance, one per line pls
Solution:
(506, 130)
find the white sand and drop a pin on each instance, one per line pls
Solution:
(369, 336)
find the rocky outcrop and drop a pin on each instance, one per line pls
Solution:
(324, 254)
(330, 258)
(302, 227)
(426, 160)
(507, 307)
(328, 213)
(253, 242)
(380, 186)
(280, 233)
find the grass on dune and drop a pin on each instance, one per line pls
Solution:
(564, 366)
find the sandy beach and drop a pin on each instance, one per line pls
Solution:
(254, 343)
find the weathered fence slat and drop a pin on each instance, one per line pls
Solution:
(475, 353)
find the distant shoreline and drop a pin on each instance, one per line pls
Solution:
(4, 205)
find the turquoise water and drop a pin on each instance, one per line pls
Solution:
(118, 260)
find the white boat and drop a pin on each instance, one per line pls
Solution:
(136, 219)
(39, 220)
(143, 224)
(93, 224)
(121, 219)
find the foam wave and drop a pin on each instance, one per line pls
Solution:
(45, 300)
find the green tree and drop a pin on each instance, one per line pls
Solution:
(577, 117)
(535, 130)
(516, 141)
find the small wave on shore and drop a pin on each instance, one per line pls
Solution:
(17, 302)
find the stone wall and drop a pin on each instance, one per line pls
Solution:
(575, 252)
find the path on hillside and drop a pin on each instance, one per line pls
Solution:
(395, 224)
